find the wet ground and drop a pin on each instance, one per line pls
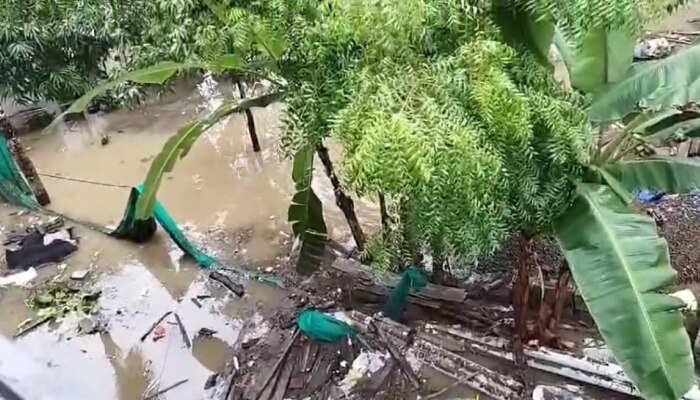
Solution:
(229, 200)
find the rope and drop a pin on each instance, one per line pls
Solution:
(84, 181)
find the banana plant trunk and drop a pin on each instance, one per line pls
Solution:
(520, 295)
(250, 121)
(551, 309)
(24, 162)
(342, 200)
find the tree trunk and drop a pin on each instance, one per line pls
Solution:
(250, 121)
(519, 300)
(386, 220)
(24, 163)
(551, 309)
(342, 200)
(561, 294)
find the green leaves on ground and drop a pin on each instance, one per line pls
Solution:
(655, 85)
(620, 265)
(669, 174)
(306, 213)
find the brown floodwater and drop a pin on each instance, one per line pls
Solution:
(230, 201)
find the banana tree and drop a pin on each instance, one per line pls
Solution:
(613, 251)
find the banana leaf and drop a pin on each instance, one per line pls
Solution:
(306, 213)
(604, 56)
(668, 174)
(621, 266)
(180, 144)
(156, 74)
(654, 85)
(687, 128)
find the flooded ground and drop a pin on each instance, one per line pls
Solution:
(230, 201)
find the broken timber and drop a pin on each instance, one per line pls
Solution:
(428, 296)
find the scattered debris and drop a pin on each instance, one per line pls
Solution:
(196, 302)
(236, 288)
(245, 345)
(183, 331)
(155, 324)
(29, 326)
(205, 332)
(37, 249)
(400, 360)
(211, 381)
(652, 48)
(158, 333)
(105, 139)
(544, 392)
(17, 234)
(364, 365)
(58, 299)
(167, 389)
(453, 385)
(276, 367)
(79, 275)
(20, 278)
(91, 325)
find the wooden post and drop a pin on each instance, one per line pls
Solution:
(249, 120)
(24, 162)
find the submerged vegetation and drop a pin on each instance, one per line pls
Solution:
(449, 114)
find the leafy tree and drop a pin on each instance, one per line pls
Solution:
(56, 50)
(448, 111)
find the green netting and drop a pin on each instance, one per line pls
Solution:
(13, 185)
(323, 328)
(142, 230)
(412, 280)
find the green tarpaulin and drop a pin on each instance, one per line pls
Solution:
(13, 186)
(412, 280)
(142, 230)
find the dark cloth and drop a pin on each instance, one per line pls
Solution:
(33, 252)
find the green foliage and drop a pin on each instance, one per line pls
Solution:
(620, 266)
(58, 299)
(580, 17)
(469, 135)
(306, 213)
(56, 50)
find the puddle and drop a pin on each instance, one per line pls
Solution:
(231, 201)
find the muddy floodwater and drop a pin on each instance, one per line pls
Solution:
(230, 201)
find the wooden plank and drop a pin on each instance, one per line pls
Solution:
(683, 149)
(431, 291)
(285, 376)
(694, 148)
